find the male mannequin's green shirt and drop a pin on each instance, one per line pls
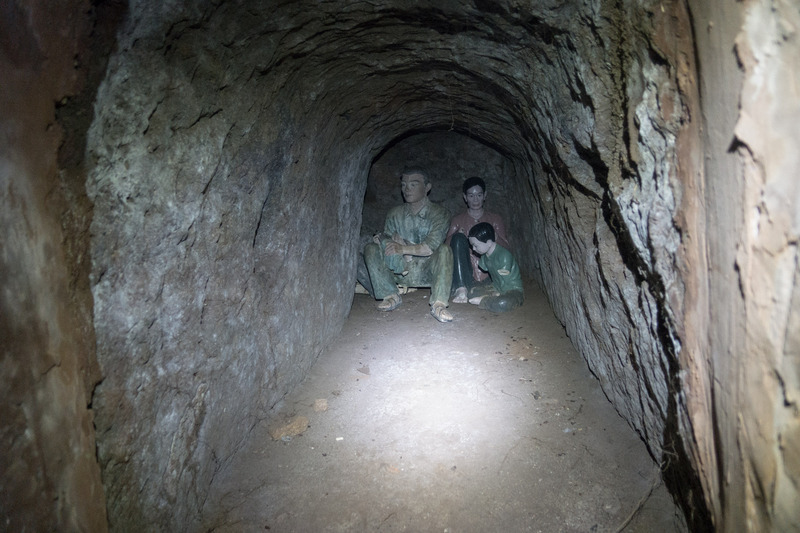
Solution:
(429, 226)
(503, 269)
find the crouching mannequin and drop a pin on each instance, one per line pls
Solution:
(504, 293)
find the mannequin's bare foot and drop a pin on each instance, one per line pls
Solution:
(460, 296)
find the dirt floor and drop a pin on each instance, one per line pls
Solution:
(489, 423)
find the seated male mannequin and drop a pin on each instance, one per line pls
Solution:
(409, 252)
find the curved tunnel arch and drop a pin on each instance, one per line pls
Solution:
(429, 70)
(232, 149)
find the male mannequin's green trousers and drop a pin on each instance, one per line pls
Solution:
(388, 271)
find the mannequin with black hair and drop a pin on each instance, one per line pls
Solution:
(504, 293)
(466, 273)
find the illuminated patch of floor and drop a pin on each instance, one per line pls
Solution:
(489, 423)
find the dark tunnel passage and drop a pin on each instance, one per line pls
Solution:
(269, 128)
(222, 163)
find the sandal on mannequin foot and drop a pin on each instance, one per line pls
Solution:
(440, 312)
(390, 303)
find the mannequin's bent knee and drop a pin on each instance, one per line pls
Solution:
(459, 243)
(372, 253)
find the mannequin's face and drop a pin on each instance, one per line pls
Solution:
(414, 188)
(480, 247)
(475, 196)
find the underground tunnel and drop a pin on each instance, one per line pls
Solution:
(187, 187)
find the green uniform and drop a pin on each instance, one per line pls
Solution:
(503, 269)
(429, 226)
(506, 280)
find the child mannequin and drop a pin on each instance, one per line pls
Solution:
(505, 292)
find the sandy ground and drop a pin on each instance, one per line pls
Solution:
(489, 423)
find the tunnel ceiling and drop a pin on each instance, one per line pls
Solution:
(229, 156)
(491, 70)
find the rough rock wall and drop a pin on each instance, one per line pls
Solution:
(752, 108)
(49, 477)
(222, 246)
(768, 270)
(607, 176)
